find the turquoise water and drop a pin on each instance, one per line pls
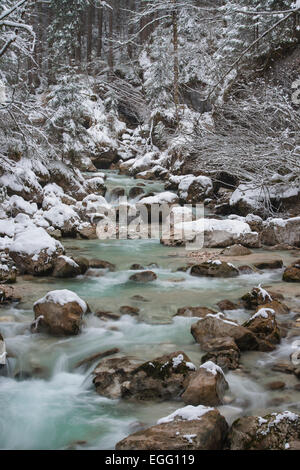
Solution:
(51, 403)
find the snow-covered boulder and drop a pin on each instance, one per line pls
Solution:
(214, 268)
(219, 233)
(263, 324)
(166, 197)
(59, 313)
(34, 251)
(206, 387)
(189, 428)
(63, 218)
(281, 231)
(194, 189)
(96, 185)
(66, 267)
(252, 198)
(15, 205)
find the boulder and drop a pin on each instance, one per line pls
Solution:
(218, 326)
(189, 428)
(271, 264)
(223, 352)
(194, 189)
(257, 296)
(280, 231)
(34, 251)
(87, 231)
(83, 264)
(214, 269)
(128, 310)
(135, 192)
(59, 313)
(206, 387)
(8, 274)
(101, 264)
(8, 294)
(264, 326)
(144, 276)
(245, 269)
(227, 305)
(278, 307)
(116, 193)
(163, 378)
(292, 272)
(236, 250)
(66, 267)
(275, 431)
(194, 312)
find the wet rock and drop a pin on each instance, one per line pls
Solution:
(87, 231)
(8, 294)
(127, 310)
(279, 307)
(54, 233)
(83, 264)
(227, 305)
(236, 250)
(66, 267)
(194, 312)
(8, 274)
(160, 379)
(139, 298)
(272, 432)
(257, 296)
(136, 267)
(106, 315)
(218, 326)
(264, 326)
(207, 431)
(277, 385)
(292, 272)
(223, 352)
(214, 269)
(144, 276)
(206, 387)
(272, 264)
(245, 269)
(135, 192)
(110, 374)
(59, 313)
(283, 367)
(101, 264)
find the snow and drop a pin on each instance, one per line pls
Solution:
(188, 413)
(189, 437)
(59, 215)
(69, 261)
(62, 297)
(263, 313)
(212, 368)
(265, 294)
(234, 227)
(32, 240)
(187, 180)
(179, 360)
(17, 202)
(7, 227)
(166, 197)
(219, 316)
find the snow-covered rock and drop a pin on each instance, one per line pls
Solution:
(281, 231)
(34, 251)
(63, 218)
(194, 189)
(59, 313)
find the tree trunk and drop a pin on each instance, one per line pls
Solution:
(176, 64)
(110, 39)
(100, 30)
(90, 22)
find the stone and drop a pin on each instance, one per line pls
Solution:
(236, 250)
(110, 374)
(8, 274)
(194, 312)
(257, 296)
(272, 432)
(279, 307)
(83, 264)
(144, 276)
(94, 357)
(276, 385)
(8, 294)
(292, 272)
(105, 315)
(227, 305)
(207, 386)
(269, 264)
(116, 193)
(135, 192)
(65, 267)
(101, 264)
(281, 232)
(59, 313)
(218, 326)
(223, 352)
(207, 433)
(136, 267)
(245, 269)
(127, 310)
(284, 367)
(87, 231)
(214, 269)
(163, 378)
(265, 328)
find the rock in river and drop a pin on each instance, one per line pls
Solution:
(59, 313)
(144, 276)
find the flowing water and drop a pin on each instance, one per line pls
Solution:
(48, 402)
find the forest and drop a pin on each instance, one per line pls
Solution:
(149, 225)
